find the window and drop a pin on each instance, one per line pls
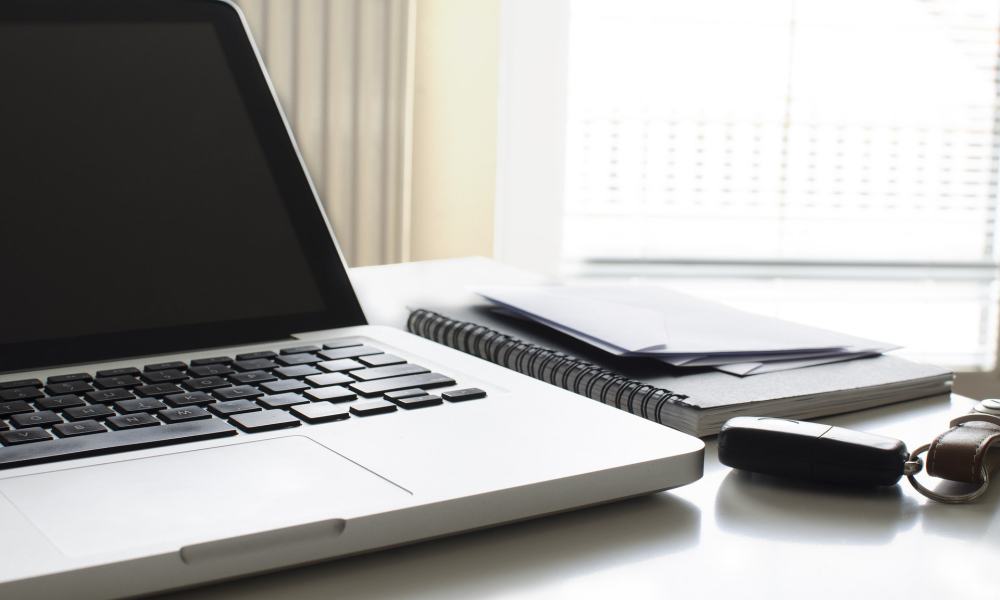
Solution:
(841, 157)
(782, 131)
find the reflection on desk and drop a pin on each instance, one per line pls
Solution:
(761, 506)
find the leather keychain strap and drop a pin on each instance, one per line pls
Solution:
(959, 454)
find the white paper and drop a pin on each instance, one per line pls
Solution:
(510, 311)
(655, 320)
(759, 368)
(713, 360)
(631, 328)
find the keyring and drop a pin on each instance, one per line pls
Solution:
(914, 466)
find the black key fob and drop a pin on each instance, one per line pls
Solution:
(811, 451)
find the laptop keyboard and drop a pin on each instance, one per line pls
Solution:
(116, 410)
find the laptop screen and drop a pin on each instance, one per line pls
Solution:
(150, 199)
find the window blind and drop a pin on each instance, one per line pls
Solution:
(846, 132)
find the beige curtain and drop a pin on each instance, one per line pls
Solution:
(394, 106)
(343, 71)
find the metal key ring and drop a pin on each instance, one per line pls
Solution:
(946, 499)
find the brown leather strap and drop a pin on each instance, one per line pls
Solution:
(958, 453)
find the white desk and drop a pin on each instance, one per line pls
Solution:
(729, 533)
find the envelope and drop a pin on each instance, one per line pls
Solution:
(633, 329)
(747, 369)
(654, 320)
(817, 357)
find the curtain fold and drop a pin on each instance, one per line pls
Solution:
(343, 70)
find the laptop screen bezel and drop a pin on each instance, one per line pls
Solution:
(325, 261)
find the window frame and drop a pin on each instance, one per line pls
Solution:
(531, 132)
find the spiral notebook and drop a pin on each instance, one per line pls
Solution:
(695, 401)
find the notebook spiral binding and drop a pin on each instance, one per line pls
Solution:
(557, 368)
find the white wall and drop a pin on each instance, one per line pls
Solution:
(454, 128)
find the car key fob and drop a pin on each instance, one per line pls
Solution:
(811, 451)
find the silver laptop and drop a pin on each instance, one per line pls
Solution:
(188, 387)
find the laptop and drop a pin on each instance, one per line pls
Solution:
(189, 390)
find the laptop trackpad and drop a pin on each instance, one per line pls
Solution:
(165, 502)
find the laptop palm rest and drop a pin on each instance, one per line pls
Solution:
(255, 494)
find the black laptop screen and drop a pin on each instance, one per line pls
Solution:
(140, 201)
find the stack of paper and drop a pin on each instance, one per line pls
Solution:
(678, 329)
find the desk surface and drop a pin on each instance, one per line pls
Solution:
(728, 533)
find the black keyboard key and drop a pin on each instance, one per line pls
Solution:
(381, 386)
(21, 393)
(255, 364)
(187, 413)
(252, 377)
(118, 372)
(320, 412)
(117, 381)
(108, 396)
(59, 402)
(206, 383)
(255, 355)
(405, 393)
(119, 441)
(164, 376)
(381, 360)
(133, 420)
(4, 426)
(69, 377)
(70, 387)
(209, 370)
(349, 352)
(78, 428)
(212, 360)
(298, 371)
(264, 420)
(164, 366)
(285, 385)
(158, 390)
(463, 395)
(24, 436)
(372, 407)
(334, 394)
(19, 383)
(233, 407)
(389, 371)
(139, 405)
(342, 343)
(42, 418)
(411, 402)
(82, 413)
(299, 349)
(281, 400)
(329, 379)
(14, 407)
(299, 359)
(189, 399)
(237, 392)
(341, 364)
